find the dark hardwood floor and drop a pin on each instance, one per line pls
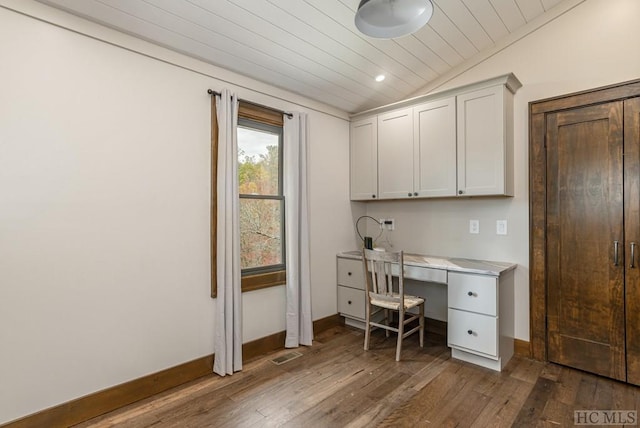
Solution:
(337, 384)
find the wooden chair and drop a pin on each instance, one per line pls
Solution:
(381, 296)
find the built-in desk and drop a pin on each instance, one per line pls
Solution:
(480, 316)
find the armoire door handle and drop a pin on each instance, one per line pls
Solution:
(633, 255)
(616, 244)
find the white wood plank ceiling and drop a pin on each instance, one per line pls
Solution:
(312, 47)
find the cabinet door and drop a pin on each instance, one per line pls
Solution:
(484, 142)
(395, 154)
(434, 139)
(364, 159)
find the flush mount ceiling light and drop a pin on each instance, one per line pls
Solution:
(388, 19)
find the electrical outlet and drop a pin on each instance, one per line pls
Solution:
(387, 223)
(474, 226)
(501, 227)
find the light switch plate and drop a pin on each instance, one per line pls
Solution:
(474, 226)
(501, 227)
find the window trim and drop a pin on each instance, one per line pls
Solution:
(213, 232)
(260, 114)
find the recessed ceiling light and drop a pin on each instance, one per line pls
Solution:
(380, 77)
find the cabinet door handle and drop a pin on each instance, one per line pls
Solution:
(470, 294)
(373, 196)
(469, 331)
(616, 244)
(460, 192)
(415, 193)
(349, 273)
(409, 194)
(633, 255)
(349, 302)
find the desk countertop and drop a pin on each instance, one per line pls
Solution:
(482, 267)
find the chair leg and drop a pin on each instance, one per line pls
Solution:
(422, 325)
(366, 337)
(400, 334)
(367, 327)
(387, 320)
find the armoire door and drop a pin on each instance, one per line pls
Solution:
(585, 239)
(632, 236)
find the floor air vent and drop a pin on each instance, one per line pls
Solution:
(286, 358)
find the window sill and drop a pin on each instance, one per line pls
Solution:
(260, 281)
(263, 280)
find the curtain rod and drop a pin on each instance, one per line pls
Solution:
(289, 115)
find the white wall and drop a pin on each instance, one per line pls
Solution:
(588, 47)
(104, 194)
(104, 208)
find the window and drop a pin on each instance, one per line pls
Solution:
(262, 254)
(261, 199)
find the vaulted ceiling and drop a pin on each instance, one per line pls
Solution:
(311, 47)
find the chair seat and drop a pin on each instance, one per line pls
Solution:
(392, 301)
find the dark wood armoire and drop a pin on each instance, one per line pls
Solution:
(584, 162)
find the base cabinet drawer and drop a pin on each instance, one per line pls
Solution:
(475, 293)
(351, 302)
(473, 332)
(424, 274)
(351, 273)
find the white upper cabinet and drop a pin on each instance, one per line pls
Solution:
(434, 139)
(485, 142)
(417, 151)
(458, 142)
(364, 159)
(395, 154)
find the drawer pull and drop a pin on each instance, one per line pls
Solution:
(349, 302)
(469, 331)
(349, 273)
(470, 294)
